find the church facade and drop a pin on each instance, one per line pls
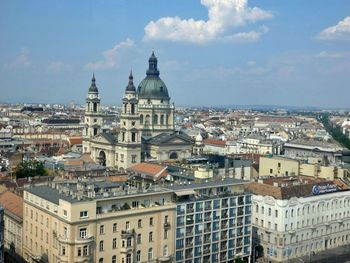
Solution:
(146, 131)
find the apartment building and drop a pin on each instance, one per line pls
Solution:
(13, 217)
(283, 166)
(97, 222)
(213, 221)
(298, 217)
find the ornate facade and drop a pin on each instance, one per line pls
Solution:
(146, 125)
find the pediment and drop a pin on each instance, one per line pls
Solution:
(102, 138)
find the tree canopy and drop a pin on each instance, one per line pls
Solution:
(31, 168)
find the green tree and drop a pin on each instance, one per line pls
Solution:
(239, 260)
(31, 168)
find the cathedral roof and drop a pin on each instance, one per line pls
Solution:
(93, 88)
(152, 87)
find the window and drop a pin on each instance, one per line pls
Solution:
(165, 251)
(100, 260)
(133, 136)
(138, 256)
(85, 251)
(150, 254)
(82, 233)
(269, 211)
(114, 227)
(127, 225)
(139, 223)
(64, 213)
(65, 232)
(271, 171)
(122, 158)
(150, 237)
(114, 259)
(151, 221)
(83, 214)
(128, 242)
(128, 258)
(276, 213)
(139, 238)
(133, 158)
(79, 252)
(101, 245)
(114, 243)
(165, 233)
(102, 229)
(135, 204)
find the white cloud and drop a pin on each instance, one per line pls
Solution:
(58, 66)
(22, 60)
(110, 56)
(340, 31)
(223, 17)
(326, 54)
(251, 63)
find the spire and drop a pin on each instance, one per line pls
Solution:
(152, 66)
(93, 87)
(130, 87)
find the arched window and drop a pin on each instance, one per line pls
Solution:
(173, 155)
(162, 119)
(150, 254)
(155, 119)
(101, 246)
(132, 108)
(100, 260)
(138, 256)
(147, 119)
(141, 119)
(128, 258)
(114, 259)
(95, 107)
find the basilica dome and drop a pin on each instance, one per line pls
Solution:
(152, 87)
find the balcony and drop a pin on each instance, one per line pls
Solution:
(165, 259)
(127, 233)
(126, 249)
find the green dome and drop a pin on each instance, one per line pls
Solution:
(152, 87)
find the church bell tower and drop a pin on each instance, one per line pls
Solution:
(129, 138)
(93, 116)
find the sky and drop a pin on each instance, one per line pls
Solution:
(210, 52)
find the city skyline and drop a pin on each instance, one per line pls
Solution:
(226, 48)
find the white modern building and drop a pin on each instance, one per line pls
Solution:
(298, 217)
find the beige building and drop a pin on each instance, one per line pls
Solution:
(278, 166)
(97, 222)
(13, 217)
(281, 166)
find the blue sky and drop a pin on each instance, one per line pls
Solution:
(210, 52)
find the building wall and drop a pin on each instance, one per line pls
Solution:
(13, 237)
(278, 166)
(215, 230)
(299, 227)
(53, 232)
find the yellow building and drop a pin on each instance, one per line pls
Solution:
(278, 166)
(97, 222)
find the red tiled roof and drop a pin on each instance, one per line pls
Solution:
(214, 142)
(150, 169)
(75, 140)
(13, 203)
